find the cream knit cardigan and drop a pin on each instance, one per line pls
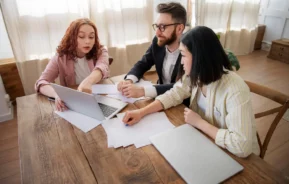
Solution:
(228, 108)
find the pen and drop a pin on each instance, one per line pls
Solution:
(51, 99)
(128, 120)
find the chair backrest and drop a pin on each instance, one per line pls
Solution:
(274, 96)
(110, 60)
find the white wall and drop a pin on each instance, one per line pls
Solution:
(5, 47)
(275, 15)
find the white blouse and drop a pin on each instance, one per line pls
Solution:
(81, 69)
(201, 101)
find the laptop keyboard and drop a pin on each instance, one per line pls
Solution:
(107, 110)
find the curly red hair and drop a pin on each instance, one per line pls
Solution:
(68, 43)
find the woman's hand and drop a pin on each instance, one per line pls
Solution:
(85, 86)
(93, 78)
(132, 117)
(192, 118)
(60, 106)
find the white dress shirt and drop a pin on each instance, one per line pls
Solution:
(81, 69)
(169, 63)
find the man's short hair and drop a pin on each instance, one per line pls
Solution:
(177, 11)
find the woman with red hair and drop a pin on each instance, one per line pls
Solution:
(80, 60)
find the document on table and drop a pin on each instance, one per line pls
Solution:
(119, 135)
(104, 89)
(141, 82)
(125, 99)
(111, 91)
(84, 123)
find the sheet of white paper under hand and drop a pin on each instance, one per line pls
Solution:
(120, 135)
(111, 91)
(149, 125)
(116, 133)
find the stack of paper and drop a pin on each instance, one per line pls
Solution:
(111, 91)
(119, 135)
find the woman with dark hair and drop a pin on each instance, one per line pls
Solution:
(220, 103)
(80, 60)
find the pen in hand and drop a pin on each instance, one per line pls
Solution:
(51, 99)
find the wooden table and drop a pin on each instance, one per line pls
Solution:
(54, 151)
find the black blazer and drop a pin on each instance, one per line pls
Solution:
(155, 56)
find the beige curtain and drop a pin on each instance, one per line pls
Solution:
(35, 28)
(235, 20)
(124, 27)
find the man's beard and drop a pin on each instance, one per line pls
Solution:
(168, 41)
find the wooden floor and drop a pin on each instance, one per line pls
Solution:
(9, 153)
(254, 67)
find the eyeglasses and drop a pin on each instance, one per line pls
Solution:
(162, 27)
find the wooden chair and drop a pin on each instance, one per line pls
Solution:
(110, 60)
(274, 96)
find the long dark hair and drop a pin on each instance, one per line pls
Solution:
(209, 57)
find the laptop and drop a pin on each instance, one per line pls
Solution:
(195, 157)
(95, 106)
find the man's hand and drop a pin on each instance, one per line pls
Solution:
(122, 83)
(132, 91)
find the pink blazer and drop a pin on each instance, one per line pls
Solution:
(64, 68)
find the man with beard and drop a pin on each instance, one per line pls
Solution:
(164, 53)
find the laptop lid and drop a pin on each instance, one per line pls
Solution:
(80, 102)
(195, 157)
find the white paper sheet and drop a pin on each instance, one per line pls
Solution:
(112, 88)
(120, 135)
(114, 131)
(125, 99)
(106, 124)
(84, 123)
(104, 89)
(141, 82)
(111, 91)
(148, 126)
(142, 143)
